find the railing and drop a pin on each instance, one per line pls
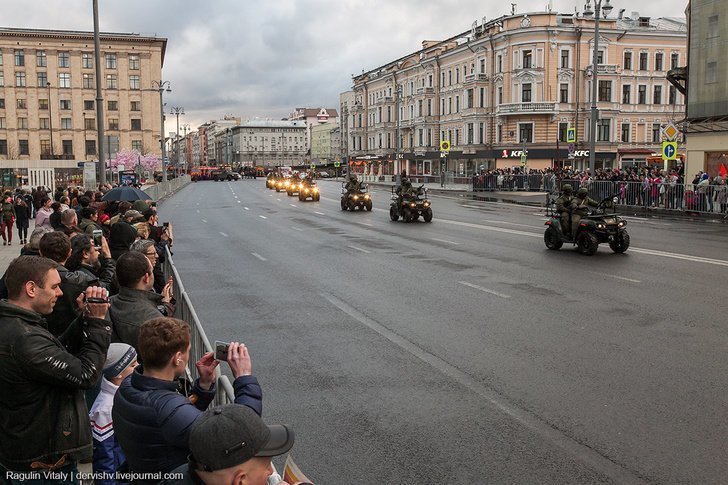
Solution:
(471, 78)
(605, 68)
(162, 189)
(425, 90)
(526, 108)
(199, 341)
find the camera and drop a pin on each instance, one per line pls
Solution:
(165, 225)
(98, 300)
(221, 350)
(97, 235)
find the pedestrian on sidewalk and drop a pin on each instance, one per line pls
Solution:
(8, 218)
(22, 217)
(42, 218)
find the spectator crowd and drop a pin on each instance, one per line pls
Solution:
(94, 366)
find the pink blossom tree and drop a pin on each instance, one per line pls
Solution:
(130, 158)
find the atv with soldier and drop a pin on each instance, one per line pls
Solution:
(409, 202)
(573, 222)
(355, 194)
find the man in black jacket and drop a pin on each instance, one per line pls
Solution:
(43, 415)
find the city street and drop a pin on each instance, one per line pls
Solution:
(463, 351)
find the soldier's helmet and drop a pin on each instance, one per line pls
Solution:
(582, 192)
(567, 188)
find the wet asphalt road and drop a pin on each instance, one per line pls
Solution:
(463, 351)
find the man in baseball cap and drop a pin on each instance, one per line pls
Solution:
(230, 444)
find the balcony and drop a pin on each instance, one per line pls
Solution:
(468, 112)
(474, 78)
(421, 120)
(526, 108)
(423, 90)
(384, 125)
(604, 68)
(65, 156)
(356, 108)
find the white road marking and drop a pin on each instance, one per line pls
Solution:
(223, 234)
(605, 275)
(278, 200)
(512, 224)
(246, 208)
(293, 205)
(259, 256)
(319, 213)
(445, 241)
(367, 224)
(485, 290)
(359, 249)
(238, 202)
(263, 217)
(685, 257)
(491, 228)
(297, 229)
(203, 220)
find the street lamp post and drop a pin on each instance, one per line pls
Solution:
(593, 122)
(177, 110)
(161, 86)
(50, 116)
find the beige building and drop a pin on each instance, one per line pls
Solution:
(48, 98)
(325, 143)
(346, 102)
(313, 117)
(269, 143)
(521, 81)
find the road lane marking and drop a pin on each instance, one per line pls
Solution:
(203, 220)
(685, 257)
(238, 202)
(246, 208)
(293, 205)
(367, 224)
(491, 228)
(359, 249)
(484, 290)
(259, 256)
(526, 418)
(445, 241)
(605, 275)
(297, 229)
(223, 234)
(513, 224)
(263, 217)
(319, 213)
(278, 200)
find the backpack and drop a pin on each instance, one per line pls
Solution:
(8, 210)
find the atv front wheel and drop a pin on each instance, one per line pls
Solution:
(343, 205)
(369, 205)
(588, 243)
(620, 243)
(552, 239)
(393, 214)
(317, 197)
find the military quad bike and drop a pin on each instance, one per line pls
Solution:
(412, 206)
(309, 189)
(595, 228)
(352, 199)
(294, 188)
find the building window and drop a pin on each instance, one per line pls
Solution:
(88, 81)
(625, 132)
(45, 147)
(603, 130)
(134, 82)
(643, 61)
(136, 145)
(627, 61)
(526, 93)
(500, 94)
(713, 27)
(133, 62)
(113, 123)
(3, 147)
(674, 59)
(23, 147)
(482, 66)
(87, 60)
(2, 103)
(470, 134)
(65, 104)
(110, 61)
(21, 104)
(600, 57)
(672, 95)
(563, 131)
(500, 63)
(42, 79)
(471, 98)
(642, 94)
(20, 79)
(89, 124)
(658, 61)
(66, 124)
(111, 82)
(40, 59)
(564, 59)
(626, 94)
(564, 93)
(527, 59)
(657, 98)
(449, 77)
(20, 59)
(457, 104)
(64, 59)
(2, 79)
(656, 135)
(711, 73)
(22, 123)
(525, 132)
(137, 106)
(64, 80)
(605, 91)
(1, 58)
(88, 104)
(90, 147)
(136, 124)
(2, 122)
(67, 147)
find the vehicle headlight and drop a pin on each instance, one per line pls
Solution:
(601, 226)
(615, 200)
(366, 196)
(427, 204)
(356, 197)
(306, 191)
(315, 189)
(622, 223)
(413, 204)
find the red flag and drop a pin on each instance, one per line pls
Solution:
(723, 170)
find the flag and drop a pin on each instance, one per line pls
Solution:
(723, 170)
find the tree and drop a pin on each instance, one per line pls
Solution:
(130, 158)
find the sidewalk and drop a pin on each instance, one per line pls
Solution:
(8, 253)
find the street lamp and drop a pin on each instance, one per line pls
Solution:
(160, 86)
(177, 110)
(50, 116)
(593, 131)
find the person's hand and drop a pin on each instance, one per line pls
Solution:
(206, 370)
(95, 310)
(239, 360)
(105, 251)
(168, 291)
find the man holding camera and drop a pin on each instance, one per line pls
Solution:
(43, 413)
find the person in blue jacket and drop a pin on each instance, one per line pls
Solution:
(152, 418)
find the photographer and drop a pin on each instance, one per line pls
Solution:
(86, 257)
(152, 419)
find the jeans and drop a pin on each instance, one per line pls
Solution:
(64, 475)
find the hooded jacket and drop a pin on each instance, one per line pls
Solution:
(43, 413)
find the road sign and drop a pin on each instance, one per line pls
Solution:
(523, 159)
(443, 154)
(337, 164)
(313, 166)
(669, 150)
(670, 131)
(444, 146)
(571, 135)
(572, 148)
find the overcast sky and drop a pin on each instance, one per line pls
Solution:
(263, 58)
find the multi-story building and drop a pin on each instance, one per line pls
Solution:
(269, 142)
(48, 98)
(346, 102)
(313, 117)
(217, 133)
(707, 87)
(326, 143)
(520, 82)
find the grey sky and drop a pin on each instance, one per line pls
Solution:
(256, 58)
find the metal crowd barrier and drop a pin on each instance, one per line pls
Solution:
(511, 182)
(200, 343)
(160, 190)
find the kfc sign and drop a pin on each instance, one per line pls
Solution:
(512, 153)
(581, 153)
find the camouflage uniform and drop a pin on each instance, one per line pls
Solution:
(563, 206)
(580, 207)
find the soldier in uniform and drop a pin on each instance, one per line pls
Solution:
(563, 207)
(352, 184)
(580, 207)
(404, 188)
